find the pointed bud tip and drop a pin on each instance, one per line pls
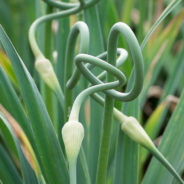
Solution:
(135, 131)
(45, 69)
(73, 134)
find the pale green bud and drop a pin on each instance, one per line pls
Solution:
(45, 69)
(134, 130)
(73, 134)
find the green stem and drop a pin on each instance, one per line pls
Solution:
(120, 117)
(111, 57)
(84, 166)
(60, 97)
(137, 59)
(163, 160)
(47, 45)
(74, 8)
(82, 29)
(108, 113)
(64, 5)
(105, 142)
(32, 31)
(72, 173)
(74, 115)
(123, 54)
(100, 87)
(46, 91)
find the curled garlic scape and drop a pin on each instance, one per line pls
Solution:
(134, 130)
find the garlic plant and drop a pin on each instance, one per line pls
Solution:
(82, 121)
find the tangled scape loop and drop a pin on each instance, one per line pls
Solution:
(105, 82)
(81, 27)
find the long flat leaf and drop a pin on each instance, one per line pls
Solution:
(8, 171)
(168, 9)
(4, 61)
(172, 147)
(152, 126)
(157, 51)
(29, 176)
(15, 107)
(51, 156)
(175, 76)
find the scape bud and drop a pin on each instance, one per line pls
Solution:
(73, 134)
(134, 130)
(45, 69)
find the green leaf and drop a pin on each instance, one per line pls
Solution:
(157, 51)
(8, 171)
(175, 76)
(14, 105)
(171, 146)
(126, 12)
(51, 157)
(152, 126)
(168, 9)
(93, 22)
(29, 176)
(5, 63)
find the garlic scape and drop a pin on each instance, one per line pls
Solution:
(72, 134)
(46, 71)
(131, 127)
(73, 131)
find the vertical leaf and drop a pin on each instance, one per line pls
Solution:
(51, 156)
(171, 146)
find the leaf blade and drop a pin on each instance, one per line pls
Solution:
(50, 154)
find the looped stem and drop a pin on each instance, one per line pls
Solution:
(64, 5)
(82, 29)
(136, 56)
(69, 9)
(101, 87)
(72, 81)
(32, 31)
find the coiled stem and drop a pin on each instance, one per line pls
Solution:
(139, 135)
(70, 9)
(82, 29)
(97, 82)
